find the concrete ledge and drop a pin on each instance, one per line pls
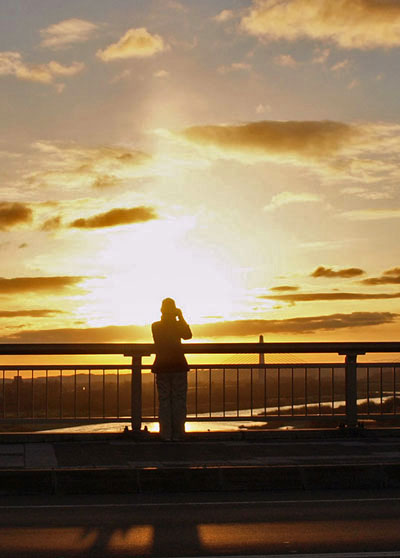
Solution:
(197, 479)
(245, 435)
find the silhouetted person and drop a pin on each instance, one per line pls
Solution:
(171, 367)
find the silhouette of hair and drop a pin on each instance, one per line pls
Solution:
(168, 306)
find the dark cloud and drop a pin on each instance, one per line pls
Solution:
(37, 284)
(117, 217)
(239, 328)
(389, 277)
(311, 297)
(313, 324)
(348, 273)
(29, 313)
(13, 214)
(284, 288)
(307, 139)
(108, 334)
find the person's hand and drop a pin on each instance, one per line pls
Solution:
(179, 314)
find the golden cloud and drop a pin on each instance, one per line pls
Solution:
(53, 284)
(361, 24)
(29, 313)
(389, 277)
(14, 214)
(285, 198)
(239, 328)
(116, 217)
(354, 151)
(313, 324)
(73, 165)
(136, 43)
(11, 63)
(347, 273)
(313, 297)
(67, 32)
(307, 139)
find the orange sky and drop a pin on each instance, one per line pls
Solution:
(240, 156)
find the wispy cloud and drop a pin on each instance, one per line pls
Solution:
(135, 43)
(12, 64)
(389, 277)
(285, 60)
(362, 152)
(346, 273)
(238, 328)
(373, 214)
(281, 288)
(77, 166)
(312, 324)
(29, 313)
(53, 284)
(292, 298)
(223, 16)
(286, 198)
(358, 24)
(67, 32)
(234, 67)
(14, 214)
(116, 217)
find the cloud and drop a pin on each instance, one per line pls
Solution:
(11, 64)
(234, 67)
(313, 324)
(368, 152)
(360, 24)
(14, 214)
(116, 217)
(73, 165)
(340, 65)
(107, 334)
(285, 198)
(67, 32)
(285, 60)
(310, 140)
(284, 288)
(239, 328)
(53, 284)
(372, 214)
(223, 16)
(51, 224)
(347, 273)
(29, 313)
(136, 43)
(313, 297)
(320, 55)
(389, 277)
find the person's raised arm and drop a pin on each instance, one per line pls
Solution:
(185, 331)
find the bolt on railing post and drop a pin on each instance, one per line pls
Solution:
(351, 390)
(136, 392)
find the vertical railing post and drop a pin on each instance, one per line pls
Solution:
(136, 392)
(351, 390)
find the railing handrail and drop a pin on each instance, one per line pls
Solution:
(147, 349)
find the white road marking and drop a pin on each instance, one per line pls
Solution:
(197, 504)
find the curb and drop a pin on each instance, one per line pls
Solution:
(199, 479)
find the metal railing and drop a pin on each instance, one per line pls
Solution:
(318, 392)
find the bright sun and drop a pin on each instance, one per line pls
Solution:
(143, 267)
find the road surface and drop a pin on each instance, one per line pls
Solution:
(350, 524)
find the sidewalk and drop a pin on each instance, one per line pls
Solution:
(62, 463)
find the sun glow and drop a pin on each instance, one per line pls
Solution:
(141, 267)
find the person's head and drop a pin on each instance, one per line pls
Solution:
(168, 307)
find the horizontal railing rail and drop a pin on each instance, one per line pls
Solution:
(342, 392)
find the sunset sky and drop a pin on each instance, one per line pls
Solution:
(242, 157)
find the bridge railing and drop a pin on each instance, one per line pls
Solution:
(337, 392)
